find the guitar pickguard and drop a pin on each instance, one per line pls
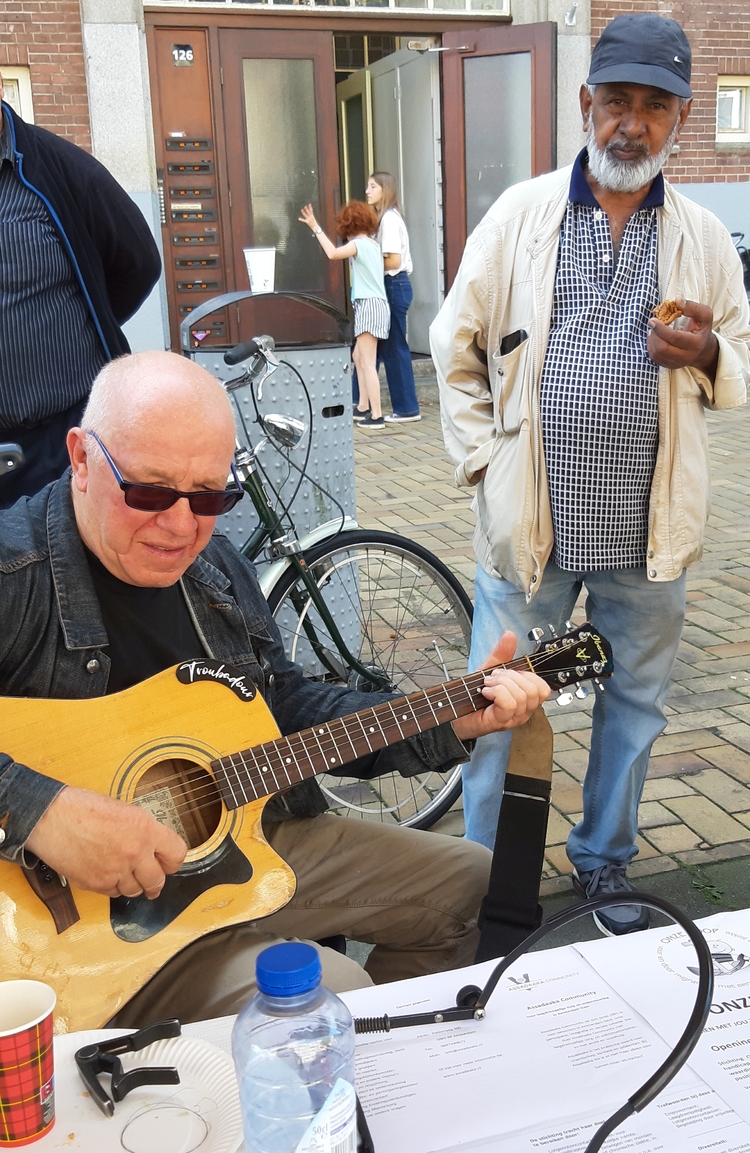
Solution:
(135, 919)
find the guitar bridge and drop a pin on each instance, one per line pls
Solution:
(53, 893)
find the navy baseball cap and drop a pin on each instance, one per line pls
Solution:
(643, 48)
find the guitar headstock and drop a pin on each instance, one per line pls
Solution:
(582, 654)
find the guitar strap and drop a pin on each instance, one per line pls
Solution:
(511, 910)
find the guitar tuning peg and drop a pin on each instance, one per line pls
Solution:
(582, 692)
(552, 630)
(570, 626)
(564, 699)
(598, 684)
(536, 635)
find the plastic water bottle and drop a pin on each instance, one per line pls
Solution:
(293, 1048)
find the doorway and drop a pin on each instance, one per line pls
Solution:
(250, 124)
(389, 120)
(484, 124)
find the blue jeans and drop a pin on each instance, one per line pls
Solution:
(394, 351)
(642, 620)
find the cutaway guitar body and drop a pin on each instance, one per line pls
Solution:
(151, 745)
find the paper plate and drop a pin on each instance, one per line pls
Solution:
(200, 1115)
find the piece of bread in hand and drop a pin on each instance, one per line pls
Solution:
(667, 311)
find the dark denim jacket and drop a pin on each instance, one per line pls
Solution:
(53, 644)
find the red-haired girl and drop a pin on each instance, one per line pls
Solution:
(356, 223)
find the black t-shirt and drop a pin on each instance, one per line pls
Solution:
(149, 629)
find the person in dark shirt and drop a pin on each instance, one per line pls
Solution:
(78, 259)
(96, 594)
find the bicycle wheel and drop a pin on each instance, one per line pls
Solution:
(402, 613)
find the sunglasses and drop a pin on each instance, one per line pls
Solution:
(156, 498)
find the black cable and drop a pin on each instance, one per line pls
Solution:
(306, 393)
(471, 1003)
(691, 1034)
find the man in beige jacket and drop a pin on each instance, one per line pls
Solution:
(578, 417)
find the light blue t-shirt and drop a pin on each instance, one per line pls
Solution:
(367, 270)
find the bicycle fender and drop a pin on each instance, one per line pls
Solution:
(331, 528)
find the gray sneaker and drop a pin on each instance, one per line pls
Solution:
(620, 919)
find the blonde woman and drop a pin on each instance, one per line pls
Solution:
(393, 352)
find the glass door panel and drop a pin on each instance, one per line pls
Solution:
(279, 105)
(498, 120)
(283, 164)
(498, 147)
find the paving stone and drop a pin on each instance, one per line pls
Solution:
(558, 858)
(557, 828)
(651, 815)
(566, 793)
(672, 838)
(731, 650)
(565, 743)
(722, 789)
(646, 852)
(693, 702)
(731, 759)
(737, 734)
(709, 621)
(707, 819)
(674, 765)
(567, 722)
(700, 719)
(660, 787)
(690, 739)
(575, 763)
(646, 866)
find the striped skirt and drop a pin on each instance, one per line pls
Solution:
(373, 315)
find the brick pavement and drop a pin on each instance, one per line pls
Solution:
(696, 803)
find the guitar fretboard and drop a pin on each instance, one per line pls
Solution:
(270, 768)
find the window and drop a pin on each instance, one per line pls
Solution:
(733, 110)
(17, 88)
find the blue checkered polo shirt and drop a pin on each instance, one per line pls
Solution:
(599, 405)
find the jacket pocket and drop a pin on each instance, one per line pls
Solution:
(511, 382)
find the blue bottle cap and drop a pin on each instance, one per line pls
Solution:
(288, 969)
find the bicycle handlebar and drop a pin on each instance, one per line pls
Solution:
(241, 352)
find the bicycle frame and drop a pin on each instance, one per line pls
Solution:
(292, 552)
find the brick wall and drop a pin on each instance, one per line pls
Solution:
(719, 34)
(45, 35)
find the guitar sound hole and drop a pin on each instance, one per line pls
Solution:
(183, 796)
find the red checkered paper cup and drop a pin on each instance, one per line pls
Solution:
(27, 1082)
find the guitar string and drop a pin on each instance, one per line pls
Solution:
(302, 749)
(330, 744)
(253, 775)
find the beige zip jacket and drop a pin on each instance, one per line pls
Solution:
(490, 403)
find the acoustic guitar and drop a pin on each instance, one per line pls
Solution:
(167, 745)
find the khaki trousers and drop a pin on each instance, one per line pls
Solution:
(413, 895)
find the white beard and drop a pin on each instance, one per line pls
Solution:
(624, 175)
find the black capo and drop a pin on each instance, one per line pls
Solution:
(93, 1060)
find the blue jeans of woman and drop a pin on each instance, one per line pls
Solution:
(642, 620)
(394, 351)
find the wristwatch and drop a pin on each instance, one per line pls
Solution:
(317, 231)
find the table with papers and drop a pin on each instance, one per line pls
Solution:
(569, 1035)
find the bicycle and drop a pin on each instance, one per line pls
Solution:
(368, 609)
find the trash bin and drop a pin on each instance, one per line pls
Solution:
(326, 371)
